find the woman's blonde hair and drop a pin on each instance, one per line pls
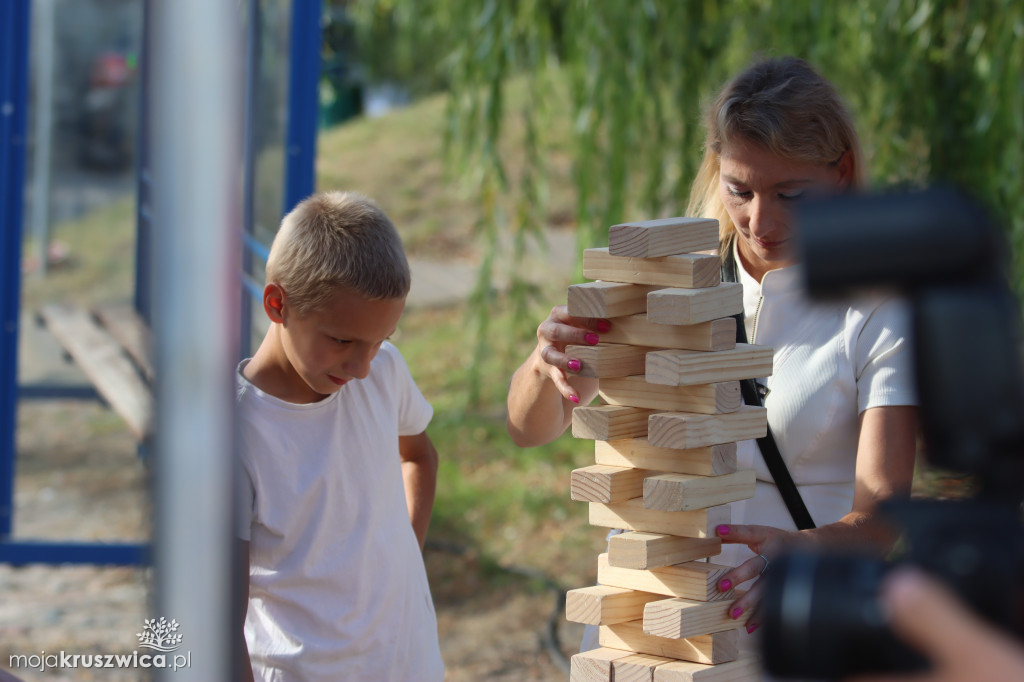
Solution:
(333, 240)
(788, 108)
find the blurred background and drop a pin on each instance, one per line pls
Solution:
(502, 138)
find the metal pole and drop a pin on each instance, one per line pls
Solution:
(303, 100)
(43, 136)
(14, 27)
(250, 150)
(196, 154)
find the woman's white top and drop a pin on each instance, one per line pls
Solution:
(832, 361)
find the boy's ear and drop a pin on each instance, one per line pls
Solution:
(273, 302)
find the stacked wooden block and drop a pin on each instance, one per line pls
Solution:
(665, 452)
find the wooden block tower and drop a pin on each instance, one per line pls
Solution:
(665, 452)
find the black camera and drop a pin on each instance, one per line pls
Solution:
(821, 617)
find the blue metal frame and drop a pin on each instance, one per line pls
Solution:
(303, 107)
(303, 102)
(14, 32)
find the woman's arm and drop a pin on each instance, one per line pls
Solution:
(544, 390)
(886, 450)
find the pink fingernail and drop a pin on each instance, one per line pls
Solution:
(722, 530)
(736, 613)
(574, 398)
(603, 325)
(592, 339)
(751, 628)
(574, 365)
(725, 585)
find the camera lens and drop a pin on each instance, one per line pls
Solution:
(822, 618)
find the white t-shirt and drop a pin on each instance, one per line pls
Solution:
(337, 585)
(832, 360)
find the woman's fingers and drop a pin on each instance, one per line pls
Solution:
(561, 329)
(748, 570)
(744, 608)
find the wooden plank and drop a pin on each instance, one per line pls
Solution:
(632, 515)
(594, 665)
(640, 550)
(679, 618)
(713, 460)
(608, 299)
(609, 359)
(609, 422)
(663, 237)
(676, 305)
(716, 648)
(636, 391)
(696, 580)
(608, 484)
(689, 270)
(104, 362)
(637, 668)
(744, 669)
(685, 492)
(129, 330)
(680, 430)
(604, 604)
(637, 330)
(688, 368)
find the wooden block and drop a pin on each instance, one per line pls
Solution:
(594, 665)
(608, 299)
(680, 430)
(608, 484)
(604, 604)
(663, 237)
(609, 422)
(744, 669)
(687, 367)
(104, 362)
(685, 492)
(129, 330)
(679, 618)
(713, 460)
(697, 580)
(690, 306)
(637, 668)
(637, 330)
(635, 391)
(632, 515)
(609, 359)
(690, 270)
(719, 647)
(640, 550)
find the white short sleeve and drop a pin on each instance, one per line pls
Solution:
(884, 358)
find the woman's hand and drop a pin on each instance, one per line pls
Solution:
(558, 331)
(547, 386)
(764, 541)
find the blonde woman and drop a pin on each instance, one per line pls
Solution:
(840, 402)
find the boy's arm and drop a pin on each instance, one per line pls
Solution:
(419, 475)
(242, 661)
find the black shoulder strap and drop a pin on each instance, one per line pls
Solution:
(769, 449)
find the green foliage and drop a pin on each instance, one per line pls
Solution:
(936, 86)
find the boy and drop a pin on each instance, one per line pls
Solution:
(339, 473)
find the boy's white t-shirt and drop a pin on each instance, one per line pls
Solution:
(337, 585)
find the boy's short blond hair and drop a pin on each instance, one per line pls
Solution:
(337, 239)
